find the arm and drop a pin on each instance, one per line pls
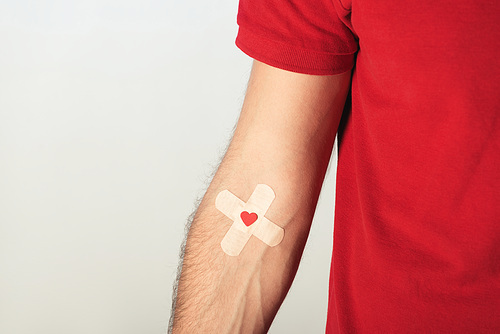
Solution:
(283, 138)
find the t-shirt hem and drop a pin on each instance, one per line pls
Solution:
(292, 58)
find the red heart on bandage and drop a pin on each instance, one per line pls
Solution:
(248, 218)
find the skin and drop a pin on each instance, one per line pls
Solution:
(283, 138)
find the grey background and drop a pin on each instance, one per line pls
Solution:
(112, 116)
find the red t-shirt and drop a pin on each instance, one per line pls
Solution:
(417, 223)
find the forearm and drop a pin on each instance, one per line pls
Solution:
(246, 290)
(218, 293)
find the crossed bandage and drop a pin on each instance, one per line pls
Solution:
(248, 219)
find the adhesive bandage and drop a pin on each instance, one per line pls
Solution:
(248, 219)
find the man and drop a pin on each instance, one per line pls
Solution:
(417, 230)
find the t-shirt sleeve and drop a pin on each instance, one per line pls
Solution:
(305, 36)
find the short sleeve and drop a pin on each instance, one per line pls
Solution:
(305, 36)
